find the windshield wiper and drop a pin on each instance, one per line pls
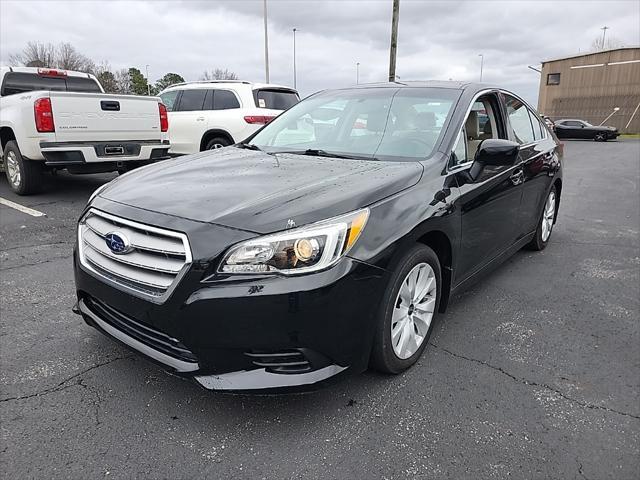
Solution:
(314, 152)
(248, 146)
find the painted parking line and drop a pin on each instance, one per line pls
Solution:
(22, 208)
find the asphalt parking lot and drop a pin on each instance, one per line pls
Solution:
(532, 373)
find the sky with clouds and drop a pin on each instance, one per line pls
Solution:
(437, 39)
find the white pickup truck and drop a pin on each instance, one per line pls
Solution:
(54, 119)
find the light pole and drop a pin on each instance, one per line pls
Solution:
(357, 73)
(148, 86)
(481, 64)
(604, 34)
(294, 57)
(394, 40)
(615, 109)
(266, 45)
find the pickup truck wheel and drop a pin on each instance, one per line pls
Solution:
(217, 142)
(24, 176)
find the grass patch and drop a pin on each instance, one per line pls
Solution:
(630, 135)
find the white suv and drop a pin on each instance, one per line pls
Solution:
(213, 114)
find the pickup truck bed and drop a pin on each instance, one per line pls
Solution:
(84, 131)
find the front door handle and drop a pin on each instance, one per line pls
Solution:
(200, 119)
(517, 177)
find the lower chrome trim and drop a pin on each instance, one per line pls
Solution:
(260, 379)
(178, 365)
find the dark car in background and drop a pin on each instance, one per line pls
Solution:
(326, 242)
(574, 128)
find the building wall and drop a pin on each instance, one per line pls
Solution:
(592, 93)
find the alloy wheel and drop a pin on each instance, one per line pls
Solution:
(548, 216)
(13, 169)
(413, 311)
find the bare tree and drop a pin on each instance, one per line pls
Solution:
(218, 74)
(609, 44)
(68, 58)
(123, 81)
(35, 54)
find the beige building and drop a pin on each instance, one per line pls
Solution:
(593, 86)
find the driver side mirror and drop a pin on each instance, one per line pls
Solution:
(495, 152)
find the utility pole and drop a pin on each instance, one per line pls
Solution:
(357, 73)
(266, 45)
(148, 86)
(481, 64)
(394, 41)
(604, 34)
(294, 57)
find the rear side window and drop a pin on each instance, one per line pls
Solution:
(224, 100)
(519, 121)
(20, 82)
(275, 99)
(192, 100)
(169, 99)
(538, 128)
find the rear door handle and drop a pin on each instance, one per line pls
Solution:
(517, 177)
(200, 119)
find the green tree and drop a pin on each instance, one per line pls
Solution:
(139, 84)
(168, 80)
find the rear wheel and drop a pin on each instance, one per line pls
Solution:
(24, 176)
(407, 311)
(216, 142)
(545, 225)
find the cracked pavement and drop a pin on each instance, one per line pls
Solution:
(533, 373)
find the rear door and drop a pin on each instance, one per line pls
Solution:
(104, 117)
(223, 113)
(489, 205)
(187, 122)
(537, 156)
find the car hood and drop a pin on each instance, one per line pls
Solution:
(259, 192)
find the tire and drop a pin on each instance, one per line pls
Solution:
(216, 142)
(600, 137)
(24, 176)
(546, 222)
(385, 357)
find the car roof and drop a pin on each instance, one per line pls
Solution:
(226, 84)
(69, 73)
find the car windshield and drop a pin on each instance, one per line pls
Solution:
(400, 124)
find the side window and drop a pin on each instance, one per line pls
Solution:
(459, 154)
(224, 100)
(538, 129)
(519, 121)
(169, 99)
(192, 100)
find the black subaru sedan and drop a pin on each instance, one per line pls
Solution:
(325, 243)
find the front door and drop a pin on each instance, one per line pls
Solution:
(187, 122)
(489, 204)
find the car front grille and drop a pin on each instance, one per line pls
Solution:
(151, 263)
(142, 332)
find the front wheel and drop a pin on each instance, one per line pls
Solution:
(545, 225)
(600, 137)
(24, 176)
(407, 311)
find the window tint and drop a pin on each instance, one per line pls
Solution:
(20, 82)
(275, 99)
(572, 123)
(519, 121)
(80, 84)
(192, 100)
(553, 79)
(169, 99)
(224, 100)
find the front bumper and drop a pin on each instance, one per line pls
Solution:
(258, 333)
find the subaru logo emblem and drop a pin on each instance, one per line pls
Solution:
(117, 242)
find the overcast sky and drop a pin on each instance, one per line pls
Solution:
(437, 40)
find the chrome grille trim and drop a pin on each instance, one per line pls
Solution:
(157, 260)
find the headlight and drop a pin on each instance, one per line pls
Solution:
(300, 250)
